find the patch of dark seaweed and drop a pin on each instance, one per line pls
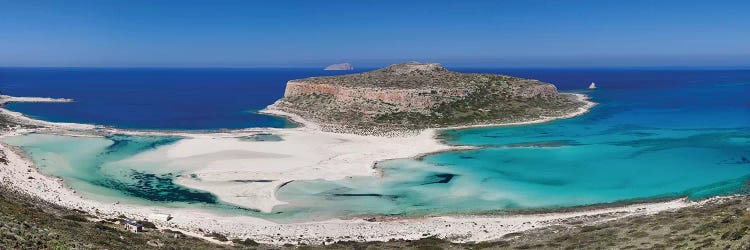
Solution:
(439, 179)
(159, 188)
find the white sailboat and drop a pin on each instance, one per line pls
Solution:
(592, 86)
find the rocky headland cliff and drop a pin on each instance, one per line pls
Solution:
(414, 96)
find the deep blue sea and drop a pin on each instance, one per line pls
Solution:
(146, 98)
(655, 134)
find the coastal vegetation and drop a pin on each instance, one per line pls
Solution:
(481, 107)
(415, 96)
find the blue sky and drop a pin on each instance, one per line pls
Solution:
(373, 33)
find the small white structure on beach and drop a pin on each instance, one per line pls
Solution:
(592, 86)
(132, 226)
(159, 217)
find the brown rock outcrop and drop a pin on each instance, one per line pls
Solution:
(418, 95)
(407, 99)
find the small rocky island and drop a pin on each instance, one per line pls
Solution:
(414, 96)
(340, 66)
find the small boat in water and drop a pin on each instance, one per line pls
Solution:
(592, 86)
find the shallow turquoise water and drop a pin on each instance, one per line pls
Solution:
(101, 168)
(91, 166)
(82, 162)
(638, 144)
(653, 135)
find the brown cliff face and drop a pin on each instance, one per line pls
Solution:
(543, 90)
(406, 99)
(417, 95)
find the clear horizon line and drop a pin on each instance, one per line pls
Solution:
(737, 67)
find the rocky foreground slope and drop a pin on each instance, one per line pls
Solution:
(413, 96)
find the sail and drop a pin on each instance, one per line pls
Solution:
(592, 86)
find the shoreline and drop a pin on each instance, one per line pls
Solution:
(588, 104)
(23, 176)
(21, 118)
(457, 228)
(7, 99)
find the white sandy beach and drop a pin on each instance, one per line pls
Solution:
(305, 153)
(454, 228)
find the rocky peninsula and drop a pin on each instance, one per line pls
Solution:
(393, 99)
(414, 96)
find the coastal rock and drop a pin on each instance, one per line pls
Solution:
(340, 66)
(414, 96)
(405, 99)
(412, 67)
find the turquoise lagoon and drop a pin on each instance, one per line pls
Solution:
(649, 138)
(655, 134)
(86, 165)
